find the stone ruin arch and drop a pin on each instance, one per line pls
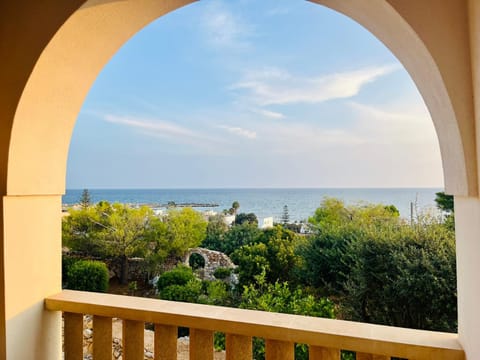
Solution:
(213, 261)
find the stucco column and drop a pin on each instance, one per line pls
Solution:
(467, 222)
(32, 233)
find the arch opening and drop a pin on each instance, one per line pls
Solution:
(63, 74)
(197, 261)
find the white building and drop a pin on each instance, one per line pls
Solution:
(266, 223)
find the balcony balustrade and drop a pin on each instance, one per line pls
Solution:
(325, 337)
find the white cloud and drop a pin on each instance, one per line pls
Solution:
(277, 87)
(305, 139)
(158, 127)
(397, 125)
(239, 131)
(269, 114)
(223, 28)
(402, 127)
(168, 131)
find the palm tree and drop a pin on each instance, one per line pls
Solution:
(235, 207)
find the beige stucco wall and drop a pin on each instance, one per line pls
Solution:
(32, 271)
(467, 221)
(50, 58)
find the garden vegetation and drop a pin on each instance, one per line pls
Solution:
(358, 262)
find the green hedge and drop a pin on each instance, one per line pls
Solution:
(180, 275)
(87, 275)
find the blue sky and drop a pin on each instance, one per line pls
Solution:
(248, 93)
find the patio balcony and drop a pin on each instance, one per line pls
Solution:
(325, 337)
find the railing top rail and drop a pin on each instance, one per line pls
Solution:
(367, 338)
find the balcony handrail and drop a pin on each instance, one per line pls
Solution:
(339, 334)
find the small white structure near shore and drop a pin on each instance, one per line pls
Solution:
(266, 223)
(229, 219)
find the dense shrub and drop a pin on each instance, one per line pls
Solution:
(243, 218)
(181, 275)
(405, 277)
(67, 263)
(272, 251)
(240, 235)
(189, 292)
(180, 284)
(222, 273)
(382, 269)
(87, 275)
(216, 230)
(280, 297)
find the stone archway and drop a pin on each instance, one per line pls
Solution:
(213, 261)
(44, 84)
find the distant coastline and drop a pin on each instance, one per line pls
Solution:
(264, 202)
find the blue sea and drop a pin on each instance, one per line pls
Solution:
(265, 202)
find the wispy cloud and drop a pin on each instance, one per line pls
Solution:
(305, 139)
(158, 127)
(407, 125)
(402, 127)
(269, 114)
(223, 28)
(249, 134)
(278, 87)
(168, 131)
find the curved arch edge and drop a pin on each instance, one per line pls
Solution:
(443, 81)
(55, 90)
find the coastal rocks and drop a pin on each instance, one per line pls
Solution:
(182, 343)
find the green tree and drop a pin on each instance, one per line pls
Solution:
(251, 259)
(216, 230)
(186, 228)
(273, 251)
(381, 268)
(240, 235)
(444, 202)
(82, 228)
(243, 218)
(234, 208)
(111, 231)
(285, 216)
(326, 259)
(332, 212)
(282, 258)
(127, 234)
(85, 199)
(326, 256)
(405, 277)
